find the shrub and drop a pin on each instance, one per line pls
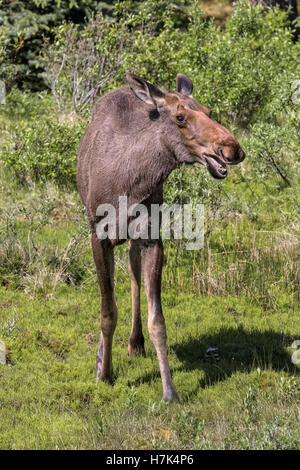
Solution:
(275, 148)
(37, 252)
(44, 150)
(25, 25)
(244, 74)
(240, 72)
(21, 106)
(82, 63)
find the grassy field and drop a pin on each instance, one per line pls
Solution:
(49, 399)
(239, 294)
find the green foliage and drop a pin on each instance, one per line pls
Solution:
(275, 148)
(240, 70)
(43, 149)
(37, 251)
(241, 73)
(24, 25)
(157, 39)
(248, 399)
(239, 294)
(244, 74)
(80, 63)
(20, 106)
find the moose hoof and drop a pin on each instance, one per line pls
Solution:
(170, 396)
(136, 348)
(104, 378)
(101, 375)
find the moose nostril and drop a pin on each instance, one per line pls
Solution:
(241, 154)
(235, 154)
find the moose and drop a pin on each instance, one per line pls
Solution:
(137, 136)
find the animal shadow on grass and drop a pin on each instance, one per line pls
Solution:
(238, 351)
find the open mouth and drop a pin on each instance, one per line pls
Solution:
(216, 167)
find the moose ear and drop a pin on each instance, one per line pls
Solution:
(146, 92)
(184, 84)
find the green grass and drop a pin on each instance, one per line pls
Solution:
(49, 398)
(239, 294)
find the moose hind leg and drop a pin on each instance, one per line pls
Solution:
(103, 257)
(152, 262)
(136, 339)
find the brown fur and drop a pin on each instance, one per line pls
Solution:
(134, 141)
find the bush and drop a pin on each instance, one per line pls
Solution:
(241, 72)
(275, 148)
(37, 251)
(21, 106)
(44, 150)
(80, 64)
(244, 74)
(24, 27)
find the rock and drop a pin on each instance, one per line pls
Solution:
(212, 354)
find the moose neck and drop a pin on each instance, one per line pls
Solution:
(148, 164)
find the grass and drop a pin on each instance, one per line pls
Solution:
(239, 294)
(49, 399)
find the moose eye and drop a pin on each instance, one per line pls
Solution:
(180, 118)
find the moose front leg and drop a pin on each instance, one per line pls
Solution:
(152, 262)
(103, 257)
(136, 340)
